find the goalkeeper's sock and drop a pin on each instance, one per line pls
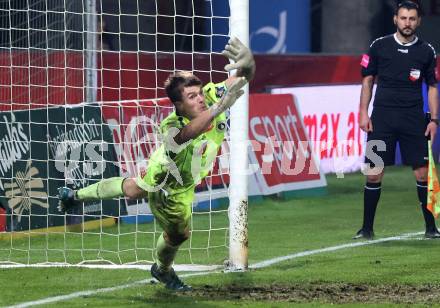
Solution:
(371, 198)
(422, 193)
(165, 254)
(105, 189)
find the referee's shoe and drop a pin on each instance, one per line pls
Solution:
(364, 234)
(432, 234)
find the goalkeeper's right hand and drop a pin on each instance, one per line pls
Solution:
(231, 96)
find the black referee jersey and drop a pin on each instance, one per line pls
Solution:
(400, 70)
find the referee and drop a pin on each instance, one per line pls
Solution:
(399, 63)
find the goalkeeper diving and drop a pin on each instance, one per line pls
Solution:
(192, 133)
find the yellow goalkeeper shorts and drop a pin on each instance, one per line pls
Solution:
(172, 212)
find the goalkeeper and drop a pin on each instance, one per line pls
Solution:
(192, 136)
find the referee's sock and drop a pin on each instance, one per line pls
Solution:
(422, 192)
(371, 198)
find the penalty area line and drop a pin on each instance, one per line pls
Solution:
(262, 264)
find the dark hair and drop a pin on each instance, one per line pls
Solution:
(177, 81)
(409, 5)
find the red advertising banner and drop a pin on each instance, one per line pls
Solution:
(57, 78)
(280, 145)
(2, 220)
(134, 126)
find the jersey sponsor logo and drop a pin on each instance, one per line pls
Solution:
(221, 126)
(365, 60)
(220, 91)
(402, 50)
(414, 74)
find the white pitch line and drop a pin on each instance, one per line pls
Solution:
(144, 267)
(333, 248)
(253, 266)
(77, 294)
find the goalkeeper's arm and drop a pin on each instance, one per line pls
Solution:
(201, 123)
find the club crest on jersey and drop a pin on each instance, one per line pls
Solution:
(414, 74)
(221, 126)
(219, 91)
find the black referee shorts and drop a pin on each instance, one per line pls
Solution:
(391, 125)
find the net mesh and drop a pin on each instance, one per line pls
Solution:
(80, 89)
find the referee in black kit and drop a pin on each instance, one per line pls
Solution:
(400, 62)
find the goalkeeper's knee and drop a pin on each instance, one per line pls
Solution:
(176, 239)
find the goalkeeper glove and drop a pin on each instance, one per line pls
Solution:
(235, 50)
(232, 94)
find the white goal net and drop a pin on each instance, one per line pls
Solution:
(81, 95)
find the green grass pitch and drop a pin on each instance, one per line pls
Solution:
(394, 273)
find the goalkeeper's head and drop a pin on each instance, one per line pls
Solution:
(184, 89)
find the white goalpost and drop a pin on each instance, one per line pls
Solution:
(81, 98)
(238, 192)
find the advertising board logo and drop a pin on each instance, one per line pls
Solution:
(14, 145)
(26, 190)
(279, 34)
(281, 148)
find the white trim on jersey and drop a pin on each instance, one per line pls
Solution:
(433, 50)
(407, 44)
(379, 38)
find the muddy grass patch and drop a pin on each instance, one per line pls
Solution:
(330, 293)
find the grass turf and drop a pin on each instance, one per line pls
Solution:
(390, 273)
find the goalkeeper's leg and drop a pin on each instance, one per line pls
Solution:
(106, 189)
(173, 214)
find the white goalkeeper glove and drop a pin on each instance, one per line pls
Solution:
(231, 96)
(236, 51)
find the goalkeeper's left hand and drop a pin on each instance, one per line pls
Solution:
(236, 51)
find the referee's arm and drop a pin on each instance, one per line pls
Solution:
(431, 129)
(366, 93)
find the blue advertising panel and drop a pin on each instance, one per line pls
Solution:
(279, 26)
(275, 27)
(217, 25)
